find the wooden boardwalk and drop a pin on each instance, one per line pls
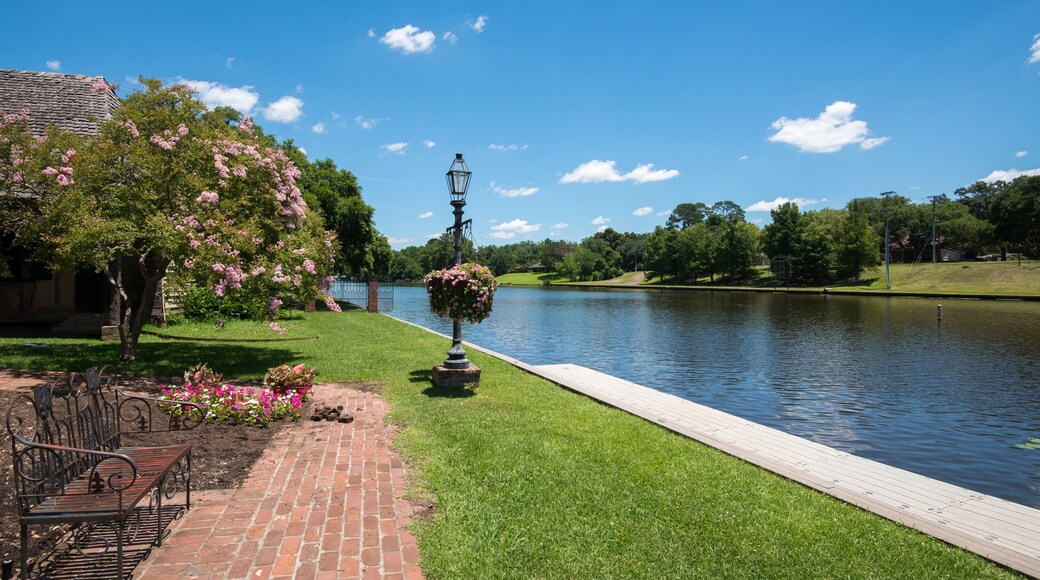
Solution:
(997, 529)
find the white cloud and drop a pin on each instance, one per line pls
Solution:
(366, 124)
(873, 142)
(318, 128)
(242, 99)
(450, 38)
(1010, 174)
(394, 240)
(511, 147)
(54, 65)
(299, 88)
(398, 148)
(597, 171)
(423, 216)
(600, 220)
(518, 192)
(553, 234)
(743, 158)
(665, 212)
(429, 144)
(302, 150)
(560, 226)
(1021, 153)
(285, 110)
(409, 40)
(1034, 51)
(771, 205)
(479, 24)
(831, 131)
(432, 236)
(601, 229)
(230, 61)
(643, 211)
(371, 33)
(509, 230)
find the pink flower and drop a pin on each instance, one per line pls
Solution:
(99, 86)
(207, 197)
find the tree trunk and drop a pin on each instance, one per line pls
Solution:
(128, 351)
(131, 323)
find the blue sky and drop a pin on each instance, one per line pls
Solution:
(579, 115)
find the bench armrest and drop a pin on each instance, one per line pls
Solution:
(117, 481)
(137, 411)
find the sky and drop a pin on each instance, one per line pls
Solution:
(576, 116)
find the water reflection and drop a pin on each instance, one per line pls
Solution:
(881, 378)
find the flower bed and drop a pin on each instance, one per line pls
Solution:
(239, 405)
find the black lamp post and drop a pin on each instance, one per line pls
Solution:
(458, 182)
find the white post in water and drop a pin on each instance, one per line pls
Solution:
(939, 312)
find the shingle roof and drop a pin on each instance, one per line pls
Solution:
(56, 99)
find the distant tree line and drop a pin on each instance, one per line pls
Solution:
(702, 242)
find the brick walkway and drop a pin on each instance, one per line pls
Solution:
(322, 502)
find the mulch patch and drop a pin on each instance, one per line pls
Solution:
(222, 456)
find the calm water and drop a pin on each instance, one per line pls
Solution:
(877, 377)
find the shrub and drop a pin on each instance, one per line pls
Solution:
(284, 378)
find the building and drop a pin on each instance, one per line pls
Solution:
(34, 295)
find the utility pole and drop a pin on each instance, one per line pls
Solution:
(888, 279)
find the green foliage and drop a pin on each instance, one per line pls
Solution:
(202, 303)
(284, 378)
(686, 215)
(167, 189)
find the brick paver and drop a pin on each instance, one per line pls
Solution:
(323, 501)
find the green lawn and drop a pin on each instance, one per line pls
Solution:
(531, 480)
(529, 279)
(1001, 278)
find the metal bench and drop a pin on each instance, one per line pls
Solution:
(71, 465)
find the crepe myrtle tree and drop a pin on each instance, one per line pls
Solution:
(168, 191)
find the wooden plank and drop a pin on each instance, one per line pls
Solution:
(997, 529)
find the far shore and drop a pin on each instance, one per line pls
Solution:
(969, 280)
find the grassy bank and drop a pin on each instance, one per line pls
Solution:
(993, 278)
(530, 480)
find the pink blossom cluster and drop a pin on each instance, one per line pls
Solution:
(273, 304)
(100, 86)
(63, 175)
(463, 292)
(19, 117)
(130, 126)
(246, 124)
(330, 303)
(168, 139)
(276, 327)
(207, 197)
(278, 277)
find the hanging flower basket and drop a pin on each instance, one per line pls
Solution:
(463, 292)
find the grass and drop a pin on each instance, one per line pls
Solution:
(529, 279)
(531, 480)
(998, 278)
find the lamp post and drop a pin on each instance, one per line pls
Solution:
(888, 280)
(458, 182)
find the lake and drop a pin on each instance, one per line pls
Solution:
(881, 378)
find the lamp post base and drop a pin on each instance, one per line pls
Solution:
(457, 378)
